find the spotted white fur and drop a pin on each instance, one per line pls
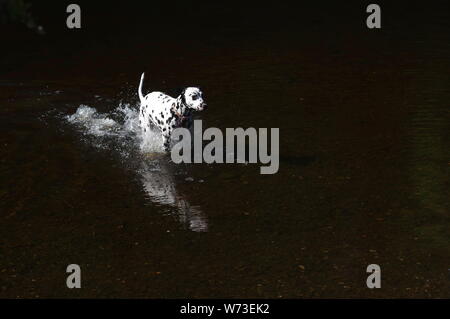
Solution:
(167, 113)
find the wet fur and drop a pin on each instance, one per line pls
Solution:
(167, 113)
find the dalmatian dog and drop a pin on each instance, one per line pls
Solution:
(167, 113)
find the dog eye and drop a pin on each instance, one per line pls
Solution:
(194, 97)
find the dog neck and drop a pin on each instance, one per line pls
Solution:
(181, 109)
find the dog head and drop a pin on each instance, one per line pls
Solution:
(193, 99)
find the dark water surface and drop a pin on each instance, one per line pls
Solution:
(364, 154)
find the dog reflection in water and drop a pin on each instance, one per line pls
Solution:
(159, 183)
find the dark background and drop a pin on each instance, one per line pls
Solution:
(364, 151)
(186, 26)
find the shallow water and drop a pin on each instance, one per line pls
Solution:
(364, 163)
(142, 152)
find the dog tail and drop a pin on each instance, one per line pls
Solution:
(141, 96)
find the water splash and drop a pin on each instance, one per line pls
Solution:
(122, 124)
(119, 130)
(95, 124)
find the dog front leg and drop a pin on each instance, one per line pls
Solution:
(166, 142)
